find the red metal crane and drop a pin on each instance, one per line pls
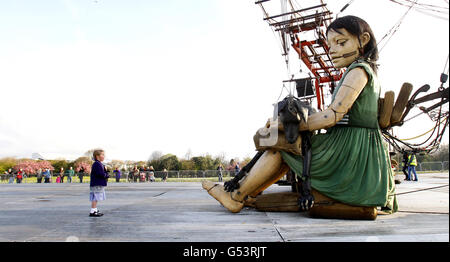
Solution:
(295, 26)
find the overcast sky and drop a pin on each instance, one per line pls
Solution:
(133, 77)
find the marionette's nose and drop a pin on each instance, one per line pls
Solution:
(331, 51)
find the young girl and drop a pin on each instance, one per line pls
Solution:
(349, 162)
(98, 182)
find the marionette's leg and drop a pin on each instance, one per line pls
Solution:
(279, 174)
(251, 198)
(265, 172)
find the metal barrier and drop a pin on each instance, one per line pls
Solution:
(432, 166)
(32, 178)
(180, 175)
(129, 177)
(174, 175)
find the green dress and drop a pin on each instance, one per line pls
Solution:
(349, 162)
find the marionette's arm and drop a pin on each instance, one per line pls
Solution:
(353, 84)
(349, 91)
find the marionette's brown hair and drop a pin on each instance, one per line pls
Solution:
(357, 26)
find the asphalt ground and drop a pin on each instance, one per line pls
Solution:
(184, 212)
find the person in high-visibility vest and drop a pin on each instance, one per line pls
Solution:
(412, 163)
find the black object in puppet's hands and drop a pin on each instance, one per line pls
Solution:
(306, 199)
(233, 184)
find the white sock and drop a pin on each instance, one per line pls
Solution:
(93, 210)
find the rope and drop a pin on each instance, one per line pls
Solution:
(421, 134)
(283, 48)
(432, 146)
(345, 7)
(423, 212)
(425, 189)
(432, 15)
(431, 6)
(420, 6)
(395, 27)
(446, 63)
(424, 8)
(212, 187)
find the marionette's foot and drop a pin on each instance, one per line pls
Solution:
(250, 202)
(217, 191)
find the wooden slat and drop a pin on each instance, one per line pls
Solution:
(401, 103)
(386, 109)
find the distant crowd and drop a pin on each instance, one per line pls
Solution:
(43, 175)
(136, 174)
(141, 174)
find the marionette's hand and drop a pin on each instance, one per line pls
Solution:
(270, 123)
(306, 202)
(231, 185)
(306, 199)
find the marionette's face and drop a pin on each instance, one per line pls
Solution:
(344, 47)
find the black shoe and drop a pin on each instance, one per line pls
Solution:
(96, 214)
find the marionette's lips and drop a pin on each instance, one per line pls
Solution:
(336, 60)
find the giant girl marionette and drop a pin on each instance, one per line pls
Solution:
(349, 171)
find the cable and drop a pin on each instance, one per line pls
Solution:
(424, 9)
(425, 189)
(345, 7)
(430, 6)
(431, 147)
(446, 63)
(432, 15)
(395, 27)
(280, 36)
(421, 134)
(433, 8)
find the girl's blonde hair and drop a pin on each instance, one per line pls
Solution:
(97, 152)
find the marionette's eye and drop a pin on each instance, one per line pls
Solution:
(341, 42)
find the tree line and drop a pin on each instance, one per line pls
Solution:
(158, 160)
(440, 155)
(161, 161)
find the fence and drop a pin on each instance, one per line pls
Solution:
(432, 166)
(181, 175)
(129, 177)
